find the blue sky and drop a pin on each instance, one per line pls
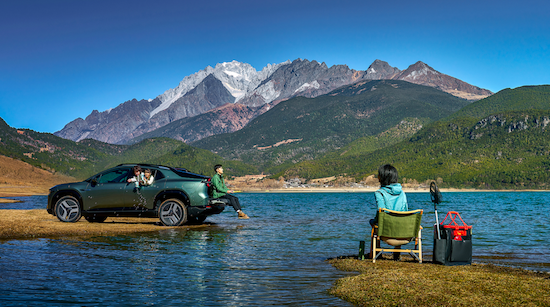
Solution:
(61, 59)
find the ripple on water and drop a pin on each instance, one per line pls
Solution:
(276, 258)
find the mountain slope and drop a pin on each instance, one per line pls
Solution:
(505, 149)
(20, 178)
(209, 94)
(521, 98)
(225, 119)
(80, 160)
(302, 128)
(112, 125)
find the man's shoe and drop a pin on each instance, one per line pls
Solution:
(242, 215)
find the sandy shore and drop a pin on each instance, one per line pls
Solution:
(28, 224)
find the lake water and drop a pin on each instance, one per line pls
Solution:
(275, 258)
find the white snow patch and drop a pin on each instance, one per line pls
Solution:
(232, 73)
(237, 93)
(422, 72)
(83, 136)
(306, 86)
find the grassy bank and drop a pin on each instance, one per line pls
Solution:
(408, 283)
(28, 224)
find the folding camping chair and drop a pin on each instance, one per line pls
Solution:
(397, 228)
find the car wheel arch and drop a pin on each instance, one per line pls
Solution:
(164, 195)
(64, 193)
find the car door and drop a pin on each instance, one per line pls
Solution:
(107, 189)
(143, 197)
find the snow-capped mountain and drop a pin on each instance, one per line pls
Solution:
(238, 78)
(236, 82)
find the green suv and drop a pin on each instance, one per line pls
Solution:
(175, 197)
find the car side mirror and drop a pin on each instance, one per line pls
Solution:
(94, 182)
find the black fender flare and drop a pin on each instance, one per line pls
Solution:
(62, 193)
(171, 194)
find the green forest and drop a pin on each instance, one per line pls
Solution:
(500, 150)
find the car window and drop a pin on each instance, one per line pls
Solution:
(158, 174)
(115, 176)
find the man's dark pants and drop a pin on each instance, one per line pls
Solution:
(231, 200)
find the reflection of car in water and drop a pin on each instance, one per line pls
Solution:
(175, 197)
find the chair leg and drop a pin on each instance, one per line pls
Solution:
(419, 238)
(373, 248)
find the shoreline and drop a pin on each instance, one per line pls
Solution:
(7, 192)
(368, 190)
(16, 224)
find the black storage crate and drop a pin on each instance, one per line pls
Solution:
(455, 245)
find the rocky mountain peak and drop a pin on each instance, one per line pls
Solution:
(421, 73)
(418, 70)
(381, 70)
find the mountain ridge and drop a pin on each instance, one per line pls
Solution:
(235, 82)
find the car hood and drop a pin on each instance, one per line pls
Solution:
(72, 185)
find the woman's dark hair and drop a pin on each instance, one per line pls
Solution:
(137, 168)
(387, 175)
(216, 167)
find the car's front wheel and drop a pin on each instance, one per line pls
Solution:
(67, 209)
(172, 212)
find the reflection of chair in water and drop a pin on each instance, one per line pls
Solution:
(397, 228)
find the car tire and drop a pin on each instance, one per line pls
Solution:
(172, 212)
(95, 219)
(67, 209)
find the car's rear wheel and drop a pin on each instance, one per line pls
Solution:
(172, 212)
(67, 209)
(95, 219)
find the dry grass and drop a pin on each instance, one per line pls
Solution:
(25, 224)
(403, 283)
(18, 178)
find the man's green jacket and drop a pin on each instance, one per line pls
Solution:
(219, 187)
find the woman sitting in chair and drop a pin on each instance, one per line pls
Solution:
(390, 195)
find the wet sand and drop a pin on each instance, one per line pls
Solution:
(28, 224)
